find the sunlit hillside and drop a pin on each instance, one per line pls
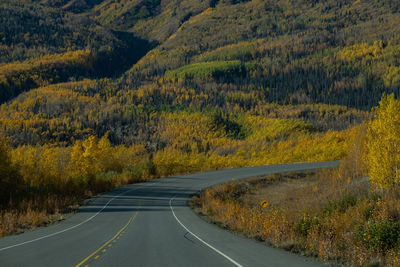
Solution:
(95, 94)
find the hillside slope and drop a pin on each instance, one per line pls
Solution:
(235, 57)
(95, 94)
(38, 34)
(337, 52)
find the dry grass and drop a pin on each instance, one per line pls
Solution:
(29, 214)
(317, 214)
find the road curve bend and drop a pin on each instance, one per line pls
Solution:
(150, 224)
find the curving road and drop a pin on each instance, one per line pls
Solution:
(149, 224)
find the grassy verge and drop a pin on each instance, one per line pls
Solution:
(33, 213)
(315, 213)
(38, 206)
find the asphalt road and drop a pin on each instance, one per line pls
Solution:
(149, 224)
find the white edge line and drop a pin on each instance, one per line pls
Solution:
(201, 240)
(72, 227)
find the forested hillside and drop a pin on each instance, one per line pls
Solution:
(234, 56)
(41, 44)
(98, 93)
(289, 52)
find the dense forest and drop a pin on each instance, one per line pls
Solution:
(287, 52)
(95, 94)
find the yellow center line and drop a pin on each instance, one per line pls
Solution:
(109, 241)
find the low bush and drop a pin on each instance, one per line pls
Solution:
(305, 224)
(380, 236)
(340, 205)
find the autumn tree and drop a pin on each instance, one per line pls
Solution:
(10, 180)
(384, 143)
(92, 156)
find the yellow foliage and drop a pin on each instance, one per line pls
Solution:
(384, 143)
(361, 51)
(191, 141)
(79, 57)
(392, 76)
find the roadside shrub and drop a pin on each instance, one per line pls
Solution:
(305, 224)
(368, 212)
(140, 171)
(340, 205)
(380, 236)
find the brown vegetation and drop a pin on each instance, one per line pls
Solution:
(314, 213)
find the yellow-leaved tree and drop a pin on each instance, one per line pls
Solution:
(383, 143)
(91, 156)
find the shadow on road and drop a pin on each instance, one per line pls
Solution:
(146, 198)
